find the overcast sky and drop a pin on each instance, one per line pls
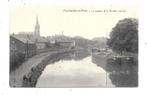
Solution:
(53, 20)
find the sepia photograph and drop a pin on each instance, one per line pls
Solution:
(61, 46)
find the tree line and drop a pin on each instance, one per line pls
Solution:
(124, 36)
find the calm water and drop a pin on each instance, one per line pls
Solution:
(79, 69)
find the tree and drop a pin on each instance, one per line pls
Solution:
(124, 36)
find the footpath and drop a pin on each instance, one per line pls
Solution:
(16, 77)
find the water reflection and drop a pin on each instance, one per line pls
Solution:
(73, 73)
(73, 70)
(123, 73)
(79, 69)
(77, 55)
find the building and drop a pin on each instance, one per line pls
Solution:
(34, 37)
(22, 46)
(20, 49)
(16, 46)
(41, 43)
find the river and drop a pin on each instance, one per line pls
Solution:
(80, 69)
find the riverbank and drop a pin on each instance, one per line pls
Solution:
(28, 73)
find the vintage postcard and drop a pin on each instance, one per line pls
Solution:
(73, 46)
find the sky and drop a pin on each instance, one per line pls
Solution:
(56, 19)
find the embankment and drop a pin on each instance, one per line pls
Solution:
(30, 79)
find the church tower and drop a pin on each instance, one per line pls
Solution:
(37, 28)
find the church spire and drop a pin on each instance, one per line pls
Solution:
(37, 19)
(37, 28)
